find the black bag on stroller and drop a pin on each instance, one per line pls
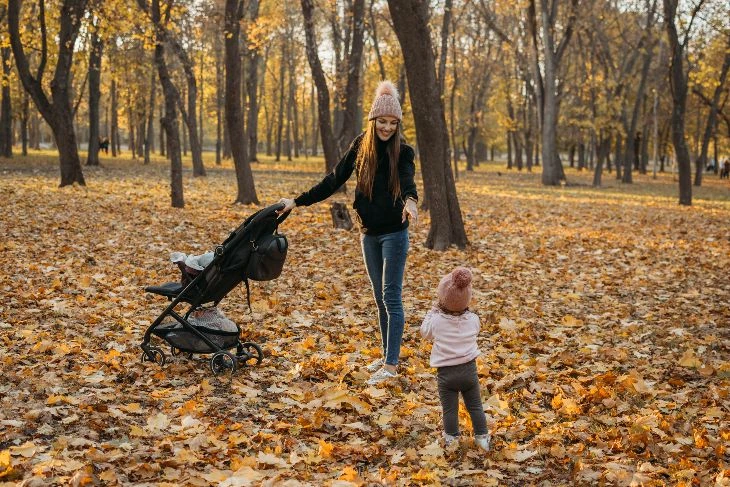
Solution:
(255, 250)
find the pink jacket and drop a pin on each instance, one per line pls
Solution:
(454, 337)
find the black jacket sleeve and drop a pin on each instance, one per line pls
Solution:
(407, 173)
(331, 182)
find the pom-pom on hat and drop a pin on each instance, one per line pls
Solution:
(454, 290)
(386, 102)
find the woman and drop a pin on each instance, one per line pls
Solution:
(385, 197)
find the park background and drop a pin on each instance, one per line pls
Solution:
(562, 153)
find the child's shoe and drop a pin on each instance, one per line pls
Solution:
(483, 441)
(450, 439)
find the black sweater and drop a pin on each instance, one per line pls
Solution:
(382, 214)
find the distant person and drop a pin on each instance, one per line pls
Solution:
(104, 144)
(710, 164)
(454, 330)
(725, 173)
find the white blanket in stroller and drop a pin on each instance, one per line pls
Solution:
(197, 262)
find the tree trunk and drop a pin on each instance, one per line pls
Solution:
(630, 158)
(291, 114)
(97, 45)
(617, 159)
(350, 122)
(315, 121)
(711, 117)
(280, 117)
(410, 22)
(323, 98)
(169, 120)
(163, 143)
(218, 100)
(678, 83)
(57, 111)
(114, 120)
(252, 88)
(446, 21)
(552, 169)
(149, 139)
(234, 113)
(131, 119)
(24, 122)
(604, 147)
(6, 109)
(376, 44)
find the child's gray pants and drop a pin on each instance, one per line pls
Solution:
(462, 378)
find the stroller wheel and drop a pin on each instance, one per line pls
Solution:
(222, 362)
(154, 355)
(249, 353)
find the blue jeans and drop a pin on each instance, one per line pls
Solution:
(385, 260)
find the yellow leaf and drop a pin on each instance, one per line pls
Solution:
(5, 468)
(570, 407)
(133, 407)
(689, 360)
(349, 473)
(424, 476)
(557, 401)
(325, 449)
(570, 320)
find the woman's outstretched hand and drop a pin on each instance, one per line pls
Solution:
(288, 205)
(411, 209)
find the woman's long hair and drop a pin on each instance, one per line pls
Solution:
(367, 161)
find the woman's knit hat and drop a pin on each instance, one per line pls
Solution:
(454, 290)
(386, 102)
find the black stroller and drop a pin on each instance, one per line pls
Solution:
(255, 250)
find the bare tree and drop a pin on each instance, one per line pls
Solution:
(234, 112)
(323, 97)
(410, 22)
(678, 81)
(97, 46)
(712, 117)
(169, 121)
(57, 110)
(545, 72)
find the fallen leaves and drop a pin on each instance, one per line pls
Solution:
(604, 354)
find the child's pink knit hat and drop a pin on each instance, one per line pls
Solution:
(454, 290)
(386, 102)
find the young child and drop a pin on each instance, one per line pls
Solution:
(454, 329)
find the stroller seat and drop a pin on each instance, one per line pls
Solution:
(169, 289)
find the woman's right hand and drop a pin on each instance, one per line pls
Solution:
(289, 205)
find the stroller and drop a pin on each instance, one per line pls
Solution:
(255, 250)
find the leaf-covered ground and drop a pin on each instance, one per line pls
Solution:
(605, 339)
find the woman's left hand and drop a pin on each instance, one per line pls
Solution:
(411, 209)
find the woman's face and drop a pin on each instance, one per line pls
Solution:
(385, 127)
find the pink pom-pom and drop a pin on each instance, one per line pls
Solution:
(461, 277)
(386, 88)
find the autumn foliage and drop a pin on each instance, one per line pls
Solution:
(604, 316)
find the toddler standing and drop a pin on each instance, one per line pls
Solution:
(454, 329)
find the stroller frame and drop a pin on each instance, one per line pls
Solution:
(211, 285)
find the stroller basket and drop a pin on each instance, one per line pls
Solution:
(185, 340)
(255, 250)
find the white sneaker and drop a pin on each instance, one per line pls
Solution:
(381, 375)
(449, 439)
(375, 365)
(482, 441)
